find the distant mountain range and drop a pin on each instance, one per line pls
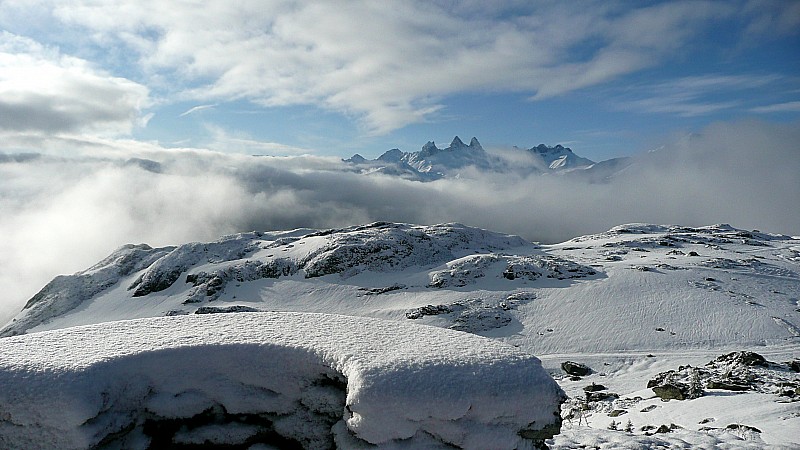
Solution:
(432, 163)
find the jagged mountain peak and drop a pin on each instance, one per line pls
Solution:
(355, 159)
(432, 162)
(429, 148)
(457, 143)
(546, 149)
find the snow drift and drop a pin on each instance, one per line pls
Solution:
(286, 379)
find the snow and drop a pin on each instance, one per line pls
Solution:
(385, 382)
(632, 302)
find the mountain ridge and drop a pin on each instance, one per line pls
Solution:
(432, 163)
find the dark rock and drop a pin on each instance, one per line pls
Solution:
(648, 408)
(383, 290)
(670, 392)
(224, 309)
(791, 393)
(667, 428)
(693, 254)
(539, 436)
(429, 310)
(794, 365)
(600, 396)
(725, 385)
(574, 368)
(744, 358)
(617, 413)
(740, 427)
(594, 388)
(575, 378)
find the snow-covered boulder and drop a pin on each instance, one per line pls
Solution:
(282, 379)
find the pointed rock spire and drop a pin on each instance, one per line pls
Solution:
(473, 143)
(429, 149)
(457, 143)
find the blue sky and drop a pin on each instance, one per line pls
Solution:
(335, 78)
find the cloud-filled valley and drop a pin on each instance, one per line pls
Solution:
(62, 214)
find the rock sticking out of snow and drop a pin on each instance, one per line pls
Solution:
(308, 380)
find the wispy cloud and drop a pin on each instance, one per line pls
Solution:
(197, 109)
(693, 96)
(778, 108)
(239, 142)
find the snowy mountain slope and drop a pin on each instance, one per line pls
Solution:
(632, 302)
(181, 279)
(635, 287)
(432, 162)
(559, 157)
(292, 380)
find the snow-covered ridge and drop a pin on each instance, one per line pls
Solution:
(312, 380)
(197, 273)
(635, 286)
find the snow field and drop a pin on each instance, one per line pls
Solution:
(269, 376)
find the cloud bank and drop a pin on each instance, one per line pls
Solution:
(61, 215)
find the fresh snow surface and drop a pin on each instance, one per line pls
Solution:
(632, 302)
(314, 379)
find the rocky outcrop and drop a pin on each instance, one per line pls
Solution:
(576, 369)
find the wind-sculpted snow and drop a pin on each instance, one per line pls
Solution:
(284, 379)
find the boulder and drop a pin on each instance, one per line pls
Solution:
(671, 391)
(576, 369)
(743, 358)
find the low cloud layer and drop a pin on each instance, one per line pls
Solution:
(61, 215)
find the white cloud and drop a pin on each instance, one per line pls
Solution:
(388, 63)
(778, 107)
(694, 96)
(196, 109)
(45, 92)
(240, 142)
